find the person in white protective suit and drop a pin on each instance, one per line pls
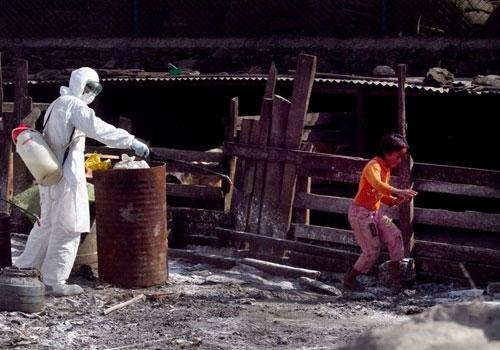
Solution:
(52, 246)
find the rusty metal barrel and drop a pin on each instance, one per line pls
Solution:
(5, 248)
(131, 213)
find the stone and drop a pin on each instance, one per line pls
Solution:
(383, 71)
(466, 293)
(458, 326)
(360, 296)
(407, 269)
(487, 80)
(318, 286)
(493, 288)
(439, 77)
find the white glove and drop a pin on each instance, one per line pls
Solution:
(140, 148)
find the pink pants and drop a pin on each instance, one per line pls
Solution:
(371, 229)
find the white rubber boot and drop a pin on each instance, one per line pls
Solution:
(63, 290)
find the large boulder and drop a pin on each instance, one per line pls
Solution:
(458, 326)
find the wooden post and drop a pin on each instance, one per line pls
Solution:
(405, 210)
(302, 88)
(5, 148)
(22, 107)
(229, 162)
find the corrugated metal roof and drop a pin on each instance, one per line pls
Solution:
(414, 85)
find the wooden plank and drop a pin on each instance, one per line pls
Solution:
(5, 147)
(271, 223)
(335, 176)
(329, 204)
(324, 234)
(402, 99)
(467, 219)
(217, 217)
(454, 174)
(219, 261)
(227, 235)
(302, 216)
(194, 191)
(406, 211)
(280, 270)
(459, 253)
(302, 87)
(479, 273)
(263, 139)
(229, 162)
(341, 262)
(456, 189)
(188, 155)
(240, 197)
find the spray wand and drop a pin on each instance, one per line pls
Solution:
(28, 213)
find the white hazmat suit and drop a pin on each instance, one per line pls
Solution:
(52, 246)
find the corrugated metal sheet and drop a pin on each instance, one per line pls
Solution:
(333, 81)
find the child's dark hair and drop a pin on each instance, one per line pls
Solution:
(391, 142)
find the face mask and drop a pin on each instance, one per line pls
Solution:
(88, 98)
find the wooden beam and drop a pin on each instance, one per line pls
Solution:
(301, 94)
(456, 189)
(272, 221)
(465, 254)
(193, 191)
(479, 273)
(219, 261)
(229, 162)
(217, 217)
(5, 147)
(467, 220)
(302, 216)
(188, 156)
(329, 204)
(454, 174)
(227, 235)
(402, 99)
(324, 234)
(280, 270)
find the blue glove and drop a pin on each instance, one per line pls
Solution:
(140, 148)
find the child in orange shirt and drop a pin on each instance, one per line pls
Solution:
(371, 228)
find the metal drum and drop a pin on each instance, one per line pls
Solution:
(21, 290)
(5, 248)
(131, 213)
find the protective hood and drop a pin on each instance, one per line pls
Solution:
(77, 82)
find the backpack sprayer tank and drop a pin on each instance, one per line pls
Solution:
(37, 155)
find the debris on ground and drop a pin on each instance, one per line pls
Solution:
(474, 325)
(439, 77)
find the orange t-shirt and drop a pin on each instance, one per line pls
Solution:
(374, 185)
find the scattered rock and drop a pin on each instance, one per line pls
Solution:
(318, 286)
(493, 288)
(487, 80)
(439, 77)
(383, 71)
(411, 309)
(459, 326)
(466, 293)
(360, 296)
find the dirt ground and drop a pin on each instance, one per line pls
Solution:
(207, 308)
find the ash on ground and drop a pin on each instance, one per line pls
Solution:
(207, 308)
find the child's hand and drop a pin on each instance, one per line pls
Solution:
(405, 195)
